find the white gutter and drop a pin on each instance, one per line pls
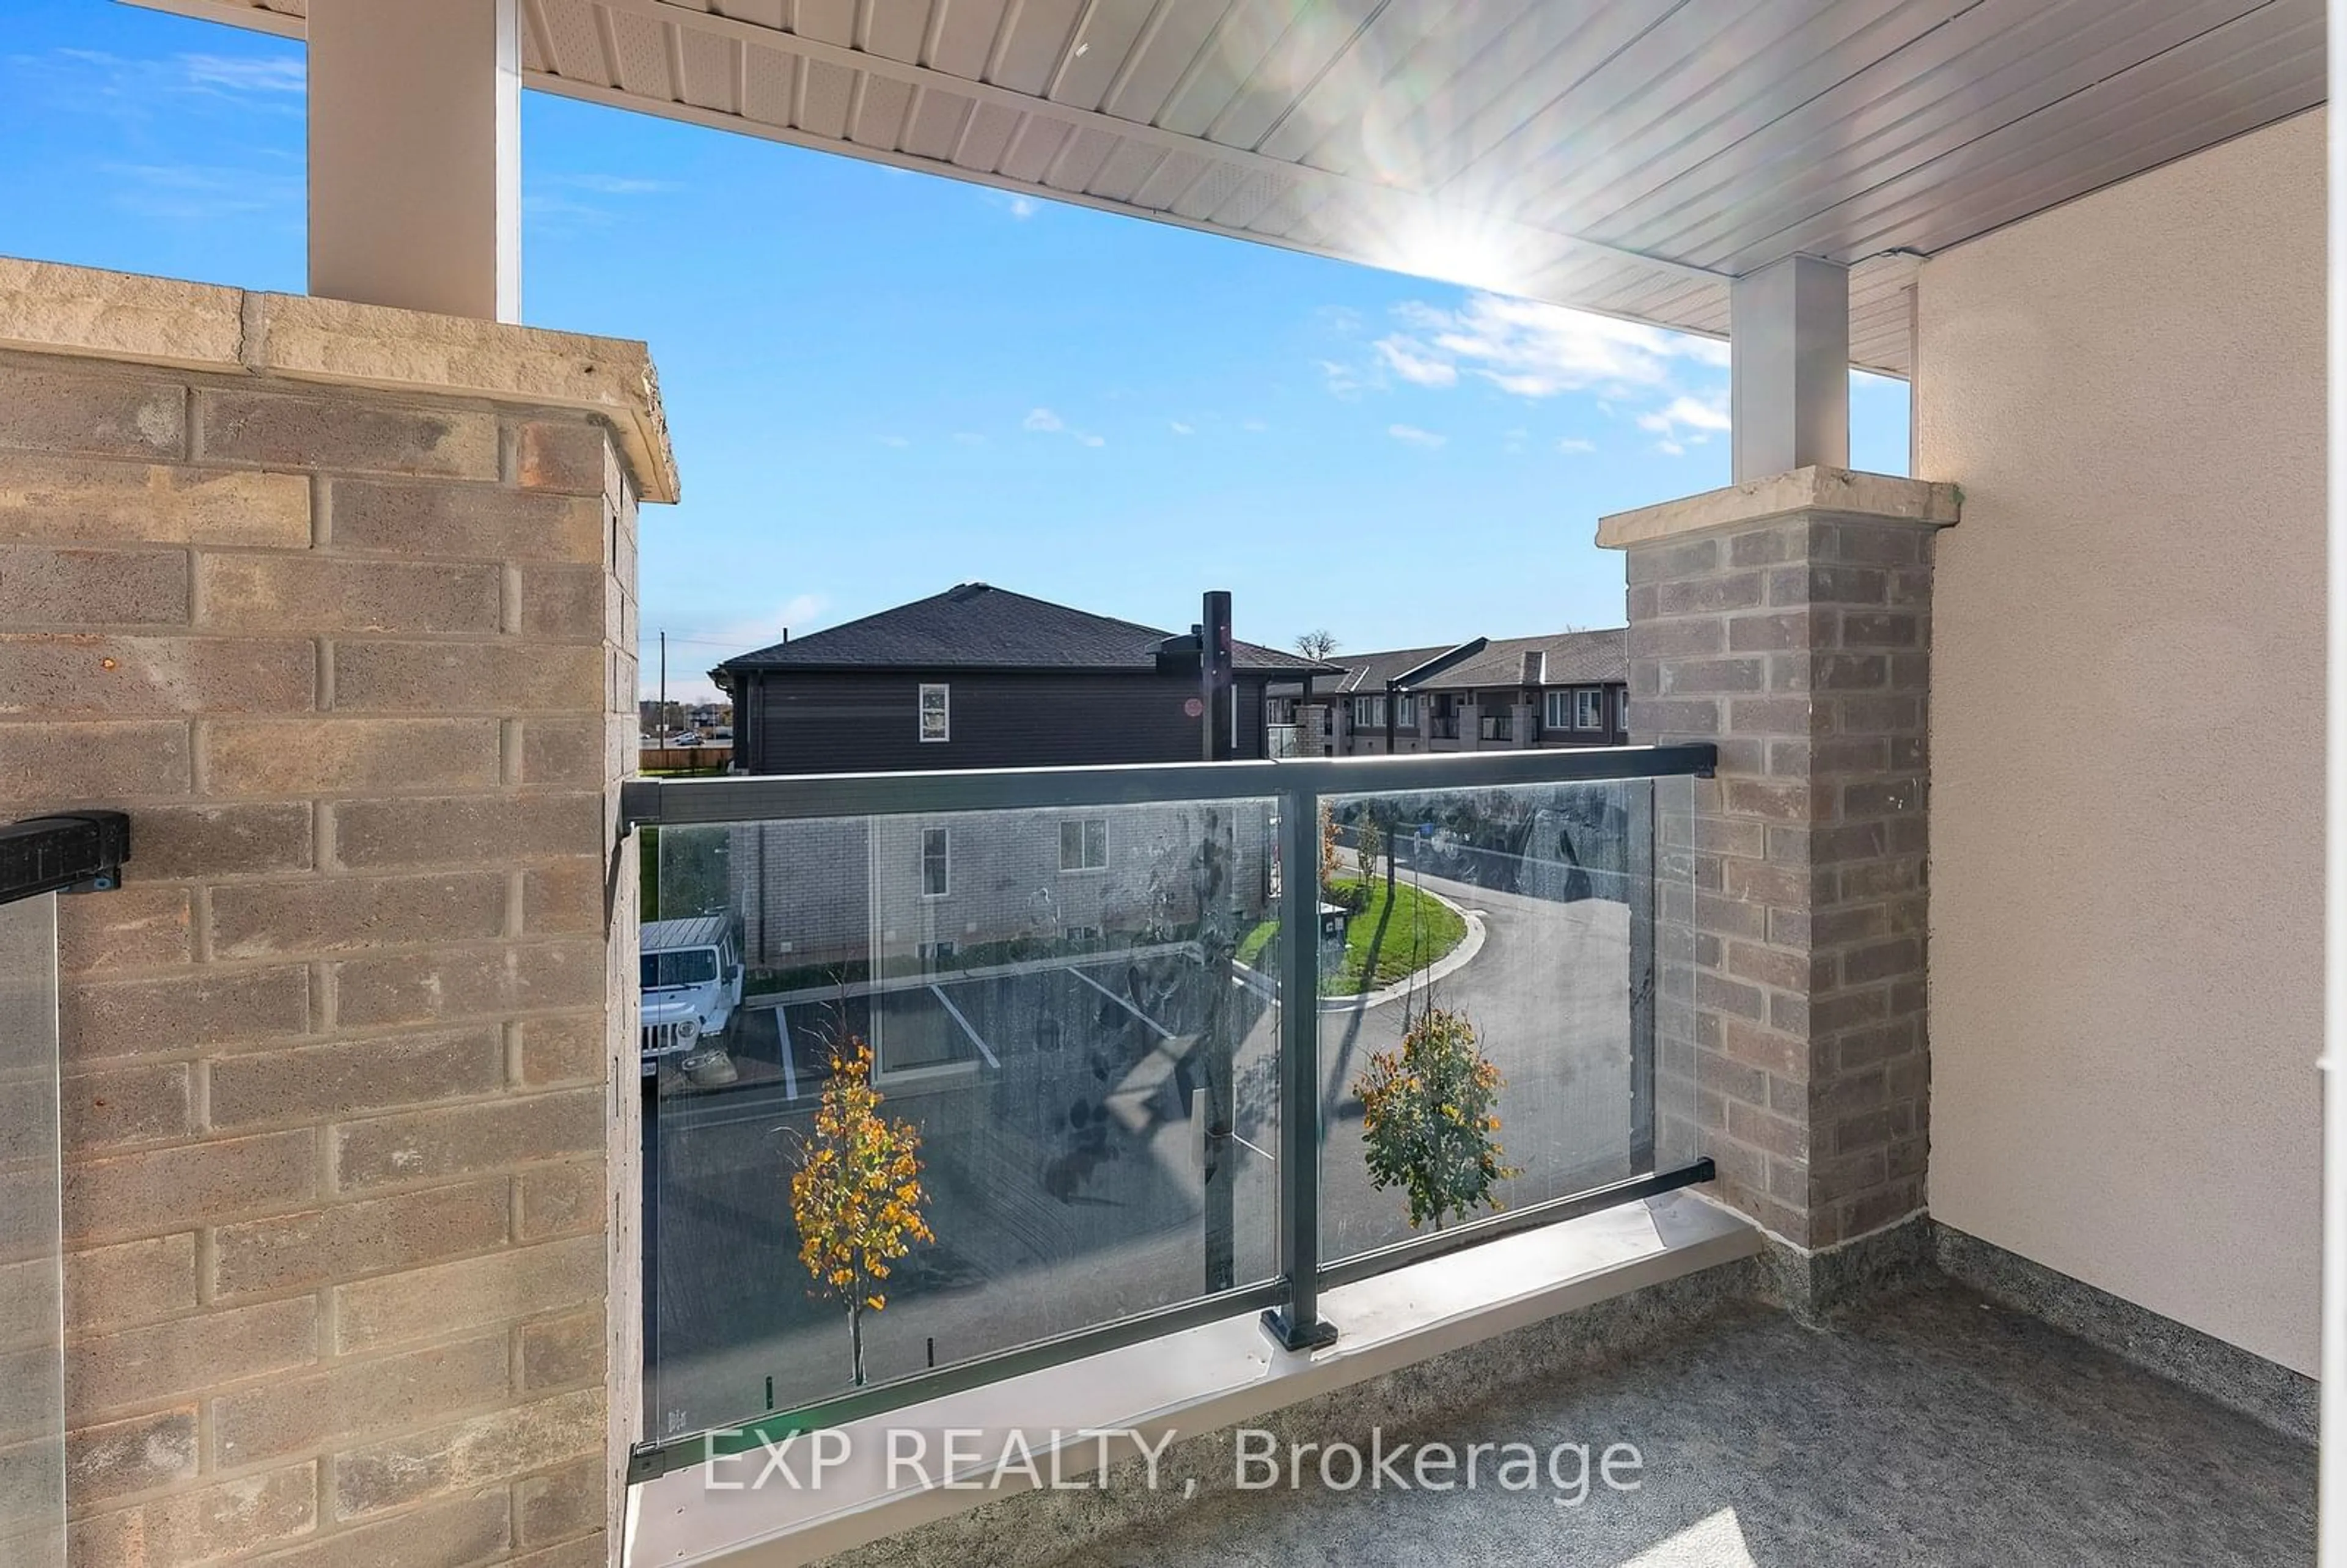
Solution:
(2333, 1429)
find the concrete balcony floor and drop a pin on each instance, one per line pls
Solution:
(1931, 1428)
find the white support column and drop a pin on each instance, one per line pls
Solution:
(415, 155)
(1788, 329)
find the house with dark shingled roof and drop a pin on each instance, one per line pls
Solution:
(981, 677)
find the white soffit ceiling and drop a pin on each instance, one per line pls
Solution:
(1627, 157)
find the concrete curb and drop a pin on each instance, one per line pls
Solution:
(1451, 963)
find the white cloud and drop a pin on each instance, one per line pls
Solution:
(1180, 429)
(1022, 207)
(92, 81)
(1409, 359)
(1696, 414)
(567, 202)
(200, 193)
(1670, 449)
(239, 74)
(692, 653)
(801, 609)
(612, 184)
(1533, 350)
(1689, 420)
(1343, 380)
(895, 441)
(1043, 422)
(1575, 444)
(969, 438)
(1256, 425)
(1411, 435)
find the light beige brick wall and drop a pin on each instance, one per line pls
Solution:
(349, 1062)
(1797, 640)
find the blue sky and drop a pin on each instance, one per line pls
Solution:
(882, 383)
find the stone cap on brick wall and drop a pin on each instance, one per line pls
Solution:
(1813, 489)
(48, 307)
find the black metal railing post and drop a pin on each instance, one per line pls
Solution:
(1298, 1325)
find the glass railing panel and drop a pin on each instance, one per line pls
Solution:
(32, 1397)
(1067, 1009)
(1490, 996)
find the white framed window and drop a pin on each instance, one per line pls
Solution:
(937, 862)
(1589, 709)
(1556, 710)
(936, 712)
(1406, 711)
(1368, 712)
(1083, 843)
(1622, 709)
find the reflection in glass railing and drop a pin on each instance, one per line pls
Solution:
(1060, 1021)
(1485, 1032)
(32, 1397)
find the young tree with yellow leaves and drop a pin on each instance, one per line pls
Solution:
(857, 1194)
(1429, 1123)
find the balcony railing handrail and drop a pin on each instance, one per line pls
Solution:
(799, 796)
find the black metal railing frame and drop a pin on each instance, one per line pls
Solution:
(1289, 1304)
(70, 852)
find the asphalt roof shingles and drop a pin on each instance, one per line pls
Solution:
(976, 626)
(1574, 659)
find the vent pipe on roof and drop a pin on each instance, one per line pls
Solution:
(1219, 714)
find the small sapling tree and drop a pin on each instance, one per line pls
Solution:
(856, 1194)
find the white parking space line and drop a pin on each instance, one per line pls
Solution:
(790, 1071)
(697, 1114)
(1163, 1032)
(947, 1001)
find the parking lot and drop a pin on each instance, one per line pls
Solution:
(1059, 1152)
(1057, 1148)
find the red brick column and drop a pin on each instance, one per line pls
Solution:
(1788, 621)
(338, 603)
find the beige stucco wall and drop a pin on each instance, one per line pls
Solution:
(2126, 737)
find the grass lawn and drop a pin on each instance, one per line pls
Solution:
(1384, 943)
(648, 872)
(694, 878)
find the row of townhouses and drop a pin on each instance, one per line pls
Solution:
(978, 676)
(1566, 689)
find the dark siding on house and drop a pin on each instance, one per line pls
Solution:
(825, 721)
(1250, 695)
